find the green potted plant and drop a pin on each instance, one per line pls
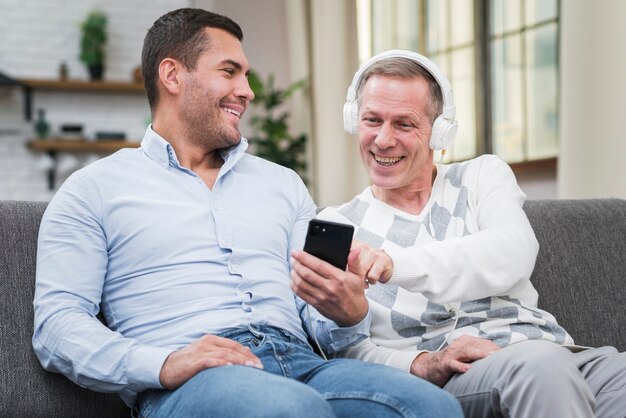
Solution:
(92, 43)
(271, 137)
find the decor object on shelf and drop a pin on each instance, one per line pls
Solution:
(110, 135)
(271, 138)
(72, 131)
(92, 43)
(42, 127)
(137, 75)
(64, 71)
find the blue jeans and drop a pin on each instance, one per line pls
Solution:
(296, 382)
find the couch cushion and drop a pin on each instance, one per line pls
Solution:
(26, 389)
(580, 272)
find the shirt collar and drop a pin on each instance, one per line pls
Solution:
(160, 151)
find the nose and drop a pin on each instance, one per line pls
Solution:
(385, 137)
(244, 91)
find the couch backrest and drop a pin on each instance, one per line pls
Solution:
(580, 272)
(26, 389)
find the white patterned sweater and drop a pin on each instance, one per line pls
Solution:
(462, 266)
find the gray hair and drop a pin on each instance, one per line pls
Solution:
(407, 69)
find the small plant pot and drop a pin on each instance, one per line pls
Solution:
(96, 71)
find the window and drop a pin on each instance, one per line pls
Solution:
(501, 57)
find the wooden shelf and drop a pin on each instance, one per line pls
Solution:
(31, 84)
(80, 145)
(84, 85)
(55, 145)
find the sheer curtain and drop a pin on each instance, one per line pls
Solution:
(323, 46)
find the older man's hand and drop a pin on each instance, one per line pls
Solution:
(370, 263)
(437, 367)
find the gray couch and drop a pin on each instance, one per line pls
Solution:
(580, 275)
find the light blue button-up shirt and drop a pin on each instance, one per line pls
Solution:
(167, 260)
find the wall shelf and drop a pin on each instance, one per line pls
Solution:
(30, 84)
(55, 145)
(84, 85)
(102, 146)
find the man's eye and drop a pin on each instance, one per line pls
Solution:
(230, 71)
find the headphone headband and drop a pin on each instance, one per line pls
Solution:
(445, 125)
(449, 109)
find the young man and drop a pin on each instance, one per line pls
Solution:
(457, 306)
(183, 245)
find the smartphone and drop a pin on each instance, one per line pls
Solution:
(329, 241)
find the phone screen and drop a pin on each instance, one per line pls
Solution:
(329, 241)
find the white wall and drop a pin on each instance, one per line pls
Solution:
(592, 158)
(35, 37)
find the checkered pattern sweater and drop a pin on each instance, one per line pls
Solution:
(461, 266)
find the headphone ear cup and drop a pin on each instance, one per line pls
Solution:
(350, 117)
(443, 133)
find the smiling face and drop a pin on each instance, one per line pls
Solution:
(394, 131)
(216, 93)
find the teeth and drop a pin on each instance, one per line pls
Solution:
(234, 112)
(387, 160)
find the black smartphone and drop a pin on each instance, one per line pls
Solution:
(329, 241)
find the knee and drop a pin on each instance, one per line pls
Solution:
(411, 396)
(543, 362)
(246, 392)
(540, 354)
(425, 399)
(296, 399)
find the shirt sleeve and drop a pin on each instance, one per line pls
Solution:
(496, 260)
(71, 267)
(330, 336)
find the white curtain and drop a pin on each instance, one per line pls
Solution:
(323, 46)
(593, 100)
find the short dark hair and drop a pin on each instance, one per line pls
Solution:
(179, 34)
(407, 69)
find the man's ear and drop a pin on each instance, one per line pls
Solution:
(169, 75)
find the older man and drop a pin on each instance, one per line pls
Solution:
(455, 252)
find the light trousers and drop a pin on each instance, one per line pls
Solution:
(535, 379)
(296, 382)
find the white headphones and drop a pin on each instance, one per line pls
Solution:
(444, 127)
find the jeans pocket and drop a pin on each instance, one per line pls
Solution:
(250, 342)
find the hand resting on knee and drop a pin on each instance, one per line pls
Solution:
(209, 351)
(437, 367)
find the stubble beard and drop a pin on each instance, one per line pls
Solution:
(205, 124)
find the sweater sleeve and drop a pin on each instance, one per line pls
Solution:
(368, 351)
(496, 260)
